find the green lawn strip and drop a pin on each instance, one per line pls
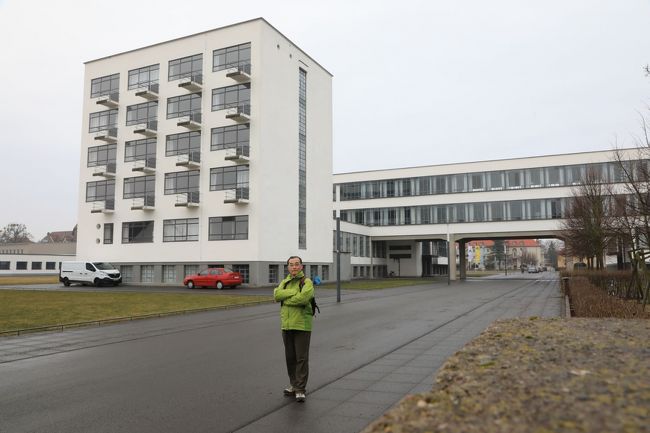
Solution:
(28, 279)
(21, 309)
(382, 283)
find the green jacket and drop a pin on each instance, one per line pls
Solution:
(295, 312)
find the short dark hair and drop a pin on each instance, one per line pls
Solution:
(294, 257)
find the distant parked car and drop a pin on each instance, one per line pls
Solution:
(532, 269)
(213, 277)
(579, 266)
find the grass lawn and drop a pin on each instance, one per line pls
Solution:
(28, 279)
(382, 283)
(22, 309)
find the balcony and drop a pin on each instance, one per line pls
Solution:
(148, 92)
(237, 195)
(111, 100)
(148, 129)
(191, 121)
(192, 83)
(107, 171)
(240, 73)
(189, 160)
(104, 206)
(187, 199)
(148, 202)
(241, 113)
(239, 154)
(107, 135)
(146, 166)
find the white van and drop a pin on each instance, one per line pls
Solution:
(96, 273)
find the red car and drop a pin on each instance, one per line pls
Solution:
(213, 277)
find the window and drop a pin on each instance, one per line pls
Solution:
(102, 120)
(228, 228)
(535, 178)
(229, 137)
(127, 273)
(515, 179)
(108, 233)
(555, 207)
(496, 211)
(477, 181)
(441, 214)
(146, 273)
(5, 266)
(143, 77)
(181, 181)
(302, 158)
(458, 183)
(141, 113)
(100, 190)
(137, 232)
(574, 174)
(222, 178)
(184, 105)
(140, 186)
(230, 57)
(326, 273)
(185, 67)
(440, 185)
(21, 266)
(478, 212)
(313, 271)
(50, 266)
(496, 180)
(553, 176)
(181, 230)
(231, 96)
(243, 270)
(535, 210)
(190, 270)
(169, 273)
(139, 150)
(273, 273)
(183, 143)
(516, 211)
(101, 155)
(105, 85)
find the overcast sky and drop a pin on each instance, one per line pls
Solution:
(415, 82)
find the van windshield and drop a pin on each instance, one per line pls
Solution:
(103, 266)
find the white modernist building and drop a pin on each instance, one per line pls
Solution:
(211, 149)
(216, 149)
(409, 214)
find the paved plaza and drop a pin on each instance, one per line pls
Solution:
(223, 371)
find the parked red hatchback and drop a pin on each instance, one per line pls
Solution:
(213, 277)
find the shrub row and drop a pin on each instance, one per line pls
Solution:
(592, 300)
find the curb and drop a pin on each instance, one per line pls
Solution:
(64, 326)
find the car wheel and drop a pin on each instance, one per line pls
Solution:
(190, 284)
(219, 285)
(66, 282)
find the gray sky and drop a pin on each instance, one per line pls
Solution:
(415, 82)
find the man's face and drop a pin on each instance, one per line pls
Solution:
(294, 267)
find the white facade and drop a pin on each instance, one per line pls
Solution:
(34, 258)
(271, 177)
(409, 207)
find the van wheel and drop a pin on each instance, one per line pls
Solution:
(66, 282)
(219, 285)
(190, 284)
(97, 282)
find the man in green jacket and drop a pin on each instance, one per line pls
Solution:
(295, 293)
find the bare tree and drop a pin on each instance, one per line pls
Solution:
(588, 225)
(14, 233)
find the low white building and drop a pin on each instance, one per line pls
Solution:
(31, 258)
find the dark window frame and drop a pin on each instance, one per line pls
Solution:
(237, 225)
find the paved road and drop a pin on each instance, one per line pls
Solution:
(223, 371)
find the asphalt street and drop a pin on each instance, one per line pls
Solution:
(223, 371)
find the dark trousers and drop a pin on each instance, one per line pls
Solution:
(296, 352)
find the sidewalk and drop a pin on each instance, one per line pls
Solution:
(350, 403)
